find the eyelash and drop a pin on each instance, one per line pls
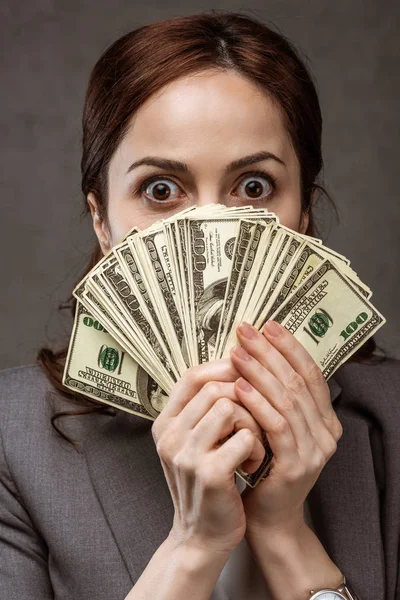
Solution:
(258, 173)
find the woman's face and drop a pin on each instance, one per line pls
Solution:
(203, 123)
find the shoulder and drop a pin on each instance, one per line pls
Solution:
(20, 379)
(27, 402)
(372, 387)
(22, 391)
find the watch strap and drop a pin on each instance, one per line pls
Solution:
(344, 589)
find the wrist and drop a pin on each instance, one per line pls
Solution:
(195, 557)
(179, 569)
(284, 533)
(293, 562)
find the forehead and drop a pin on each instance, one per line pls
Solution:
(207, 116)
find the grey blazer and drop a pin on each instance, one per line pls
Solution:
(82, 526)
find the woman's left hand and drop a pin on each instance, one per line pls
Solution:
(291, 401)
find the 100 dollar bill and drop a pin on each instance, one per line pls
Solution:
(329, 316)
(98, 367)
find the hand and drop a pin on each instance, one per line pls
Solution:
(285, 391)
(203, 409)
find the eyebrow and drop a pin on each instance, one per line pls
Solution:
(176, 165)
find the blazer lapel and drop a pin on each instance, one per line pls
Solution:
(129, 482)
(344, 503)
(334, 388)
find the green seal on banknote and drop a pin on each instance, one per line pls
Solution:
(108, 358)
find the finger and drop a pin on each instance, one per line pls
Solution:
(301, 361)
(193, 380)
(224, 417)
(238, 450)
(277, 428)
(272, 390)
(200, 404)
(280, 434)
(256, 344)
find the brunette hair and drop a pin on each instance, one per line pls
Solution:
(146, 59)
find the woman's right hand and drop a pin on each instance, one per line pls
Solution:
(202, 410)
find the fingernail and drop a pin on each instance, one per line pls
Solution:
(241, 352)
(247, 331)
(244, 385)
(273, 328)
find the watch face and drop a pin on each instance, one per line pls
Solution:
(327, 595)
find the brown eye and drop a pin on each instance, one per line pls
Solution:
(159, 190)
(256, 186)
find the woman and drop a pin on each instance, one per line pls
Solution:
(153, 511)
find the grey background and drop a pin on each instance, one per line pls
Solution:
(48, 50)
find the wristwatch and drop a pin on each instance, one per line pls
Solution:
(342, 593)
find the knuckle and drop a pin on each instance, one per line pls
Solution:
(296, 383)
(295, 473)
(192, 378)
(289, 403)
(319, 461)
(166, 443)
(194, 374)
(315, 376)
(154, 431)
(212, 388)
(246, 437)
(182, 462)
(162, 447)
(281, 426)
(224, 407)
(331, 448)
(290, 342)
(337, 429)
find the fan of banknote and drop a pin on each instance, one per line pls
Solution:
(171, 296)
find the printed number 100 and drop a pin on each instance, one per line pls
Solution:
(351, 327)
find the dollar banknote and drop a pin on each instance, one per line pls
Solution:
(98, 367)
(329, 316)
(171, 296)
